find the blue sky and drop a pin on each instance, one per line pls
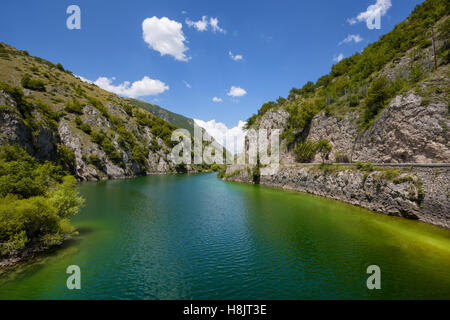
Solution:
(283, 44)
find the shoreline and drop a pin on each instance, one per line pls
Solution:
(419, 193)
(29, 253)
(35, 250)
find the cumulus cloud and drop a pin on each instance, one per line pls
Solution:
(338, 58)
(236, 57)
(204, 23)
(352, 37)
(380, 8)
(187, 84)
(216, 99)
(201, 25)
(140, 88)
(236, 92)
(214, 22)
(165, 36)
(231, 138)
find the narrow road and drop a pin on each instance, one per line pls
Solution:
(402, 165)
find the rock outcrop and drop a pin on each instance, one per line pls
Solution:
(90, 132)
(44, 142)
(420, 193)
(407, 131)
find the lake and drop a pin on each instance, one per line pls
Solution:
(197, 237)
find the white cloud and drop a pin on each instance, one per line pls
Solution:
(165, 36)
(201, 25)
(184, 12)
(236, 92)
(380, 7)
(83, 79)
(140, 88)
(214, 22)
(231, 138)
(352, 37)
(216, 99)
(187, 84)
(236, 57)
(338, 58)
(352, 21)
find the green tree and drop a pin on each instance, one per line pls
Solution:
(305, 151)
(378, 94)
(324, 148)
(36, 200)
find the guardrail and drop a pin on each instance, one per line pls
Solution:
(403, 165)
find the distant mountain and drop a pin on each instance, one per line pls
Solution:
(171, 117)
(176, 119)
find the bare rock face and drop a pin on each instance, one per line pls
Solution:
(45, 145)
(163, 166)
(274, 120)
(407, 131)
(277, 119)
(43, 142)
(340, 132)
(419, 193)
(71, 140)
(13, 130)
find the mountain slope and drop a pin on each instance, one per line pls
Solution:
(176, 119)
(386, 104)
(89, 131)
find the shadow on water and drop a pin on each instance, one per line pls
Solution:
(37, 261)
(83, 231)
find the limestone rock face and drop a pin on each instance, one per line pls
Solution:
(340, 132)
(44, 141)
(407, 131)
(274, 120)
(277, 119)
(418, 193)
(13, 130)
(12, 127)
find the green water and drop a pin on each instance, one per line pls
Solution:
(196, 237)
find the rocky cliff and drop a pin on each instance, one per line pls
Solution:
(90, 132)
(408, 130)
(420, 193)
(386, 105)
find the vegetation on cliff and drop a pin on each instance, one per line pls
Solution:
(90, 132)
(54, 126)
(36, 201)
(177, 120)
(362, 82)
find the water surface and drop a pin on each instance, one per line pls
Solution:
(197, 237)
